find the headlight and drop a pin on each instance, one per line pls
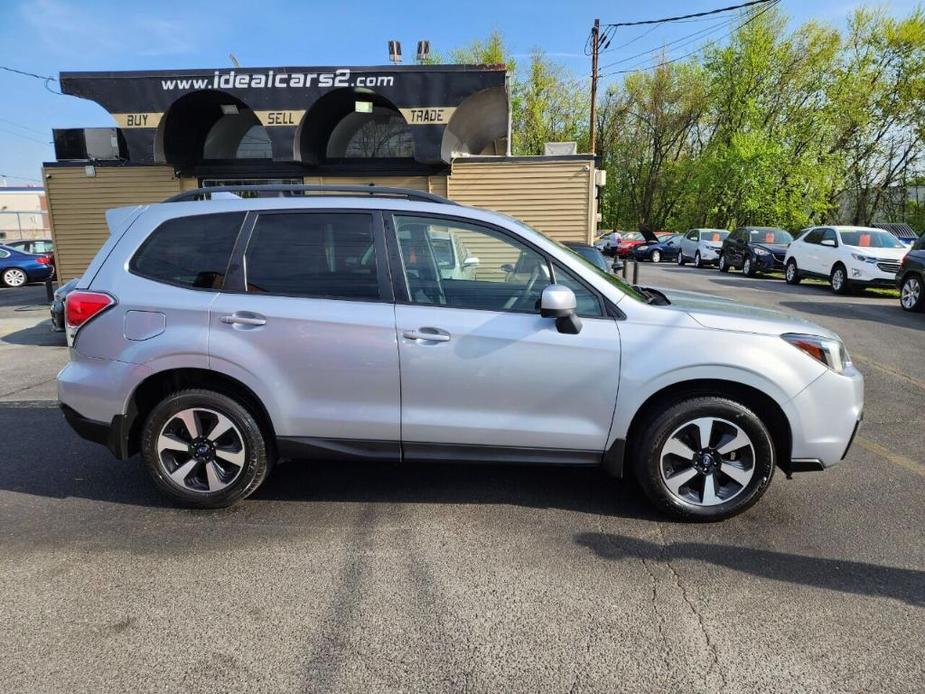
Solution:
(863, 258)
(762, 251)
(829, 351)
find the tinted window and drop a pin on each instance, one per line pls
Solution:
(920, 244)
(4, 253)
(692, 235)
(814, 236)
(189, 251)
(587, 303)
(829, 235)
(312, 254)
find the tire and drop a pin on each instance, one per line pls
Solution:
(657, 465)
(912, 293)
(722, 264)
(235, 463)
(656, 256)
(698, 262)
(681, 260)
(13, 277)
(838, 280)
(792, 273)
(748, 267)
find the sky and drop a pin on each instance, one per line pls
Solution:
(49, 36)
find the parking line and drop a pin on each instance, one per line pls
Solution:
(887, 370)
(888, 455)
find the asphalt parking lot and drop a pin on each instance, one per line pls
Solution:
(448, 578)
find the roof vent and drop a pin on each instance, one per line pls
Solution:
(560, 149)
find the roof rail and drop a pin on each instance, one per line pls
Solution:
(293, 190)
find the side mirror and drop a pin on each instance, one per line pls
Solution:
(828, 242)
(508, 267)
(471, 261)
(559, 302)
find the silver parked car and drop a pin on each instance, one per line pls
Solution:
(216, 336)
(702, 246)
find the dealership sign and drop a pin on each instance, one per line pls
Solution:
(283, 99)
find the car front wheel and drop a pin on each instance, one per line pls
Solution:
(680, 258)
(792, 274)
(748, 267)
(698, 261)
(204, 449)
(912, 294)
(656, 257)
(722, 264)
(839, 280)
(705, 459)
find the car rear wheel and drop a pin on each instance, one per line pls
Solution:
(204, 449)
(698, 262)
(705, 459)
(656, 256)
(13, 277)
(912, 294)
(839, 280)
(792, 274)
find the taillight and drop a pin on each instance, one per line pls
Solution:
(42, 260)
(80, 306)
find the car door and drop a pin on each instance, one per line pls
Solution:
(805, 251)
(689, 244)
(483, 375)
(826, 255)
(734, 248)
(307, 317)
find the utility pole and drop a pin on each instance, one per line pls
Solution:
(595, 46)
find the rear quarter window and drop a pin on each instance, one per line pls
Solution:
(191, 252)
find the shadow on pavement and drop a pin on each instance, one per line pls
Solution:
(875, 313)
(45, 458)
(844, 576)
(40, 335)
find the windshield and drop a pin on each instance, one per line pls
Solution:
(868, 238)
(633, 236)
(713, 235)
(769, 236)
(617, 282)
(592, 255)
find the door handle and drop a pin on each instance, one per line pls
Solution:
(236, 319)
(427, 334)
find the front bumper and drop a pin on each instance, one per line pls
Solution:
(769, 263)
(708, 255)
(825, 419)
(870, 275)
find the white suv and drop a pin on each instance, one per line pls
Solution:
(849, 257)
(702, 246)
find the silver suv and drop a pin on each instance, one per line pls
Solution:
(215, 336)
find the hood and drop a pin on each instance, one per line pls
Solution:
(880, 253)
(718, 313)
(775, 248)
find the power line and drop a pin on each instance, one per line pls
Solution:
(754, 16)
(24, 127)
(25, 137)
(45, 78)
(691, 16)
(680, 42)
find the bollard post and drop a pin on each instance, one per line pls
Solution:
(49, 290)
(635, 271)
(624, 270)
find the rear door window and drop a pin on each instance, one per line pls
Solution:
(190, 252)
(327, 255)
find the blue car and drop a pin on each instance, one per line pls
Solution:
(666, 248)
(18, 268)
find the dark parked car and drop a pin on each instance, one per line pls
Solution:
(594, 256)
(18, 268)
(666, 247)
(754, 249)
(57, 304)
(911, 278)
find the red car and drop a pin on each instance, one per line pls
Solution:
(628, 242)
